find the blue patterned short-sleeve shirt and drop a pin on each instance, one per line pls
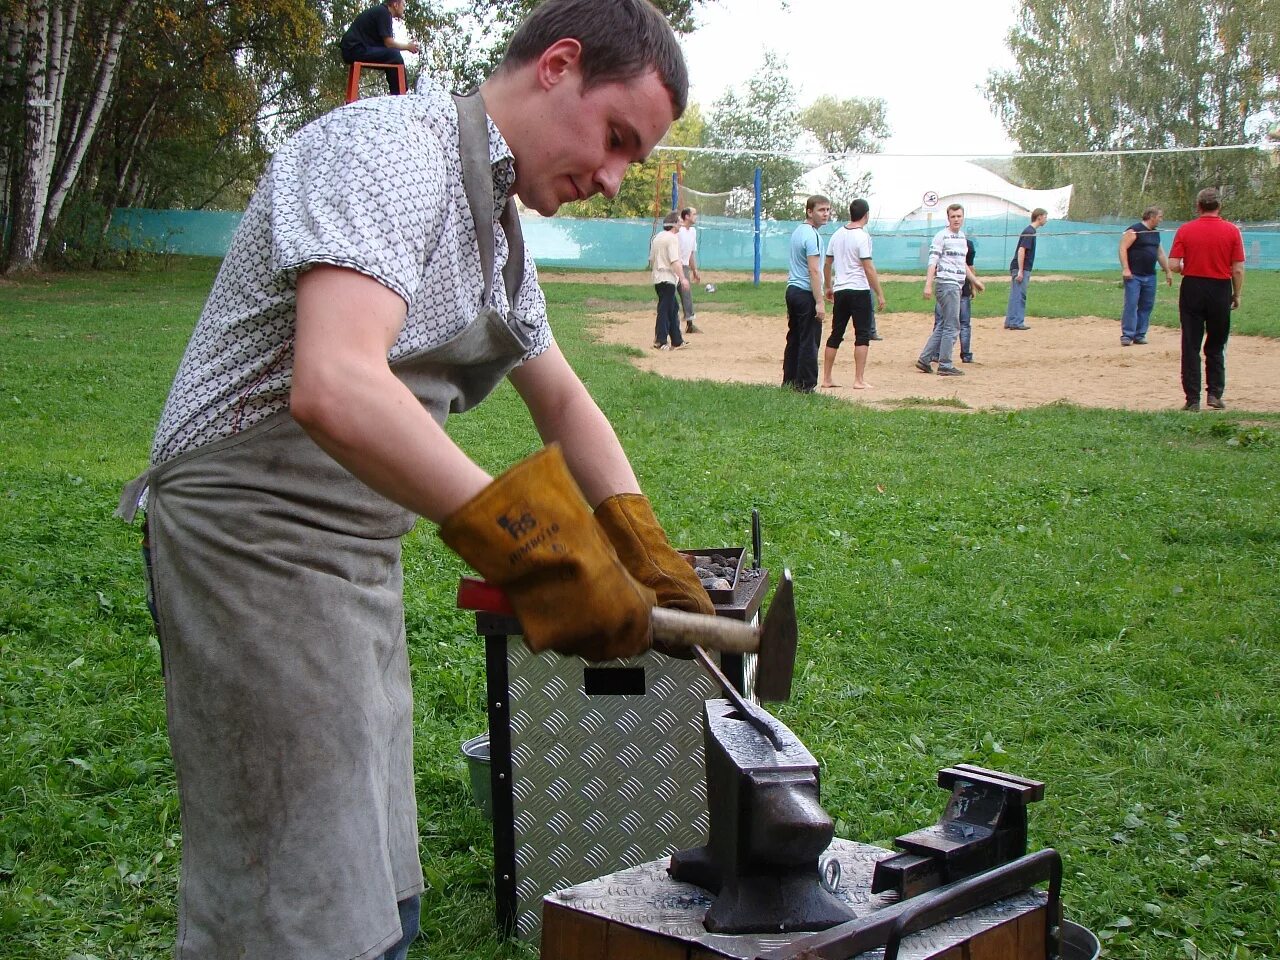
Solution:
(375, 186)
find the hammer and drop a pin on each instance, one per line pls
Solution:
(773, 643)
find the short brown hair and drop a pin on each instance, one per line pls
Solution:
(1150, 212)
(1209, 199)
(1039, 212)
(813, 201)
(621, 40)
(955, 206)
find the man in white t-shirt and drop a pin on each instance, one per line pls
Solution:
(850, 276)
(689, 262)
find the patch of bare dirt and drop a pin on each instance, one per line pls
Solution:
(1077, 361)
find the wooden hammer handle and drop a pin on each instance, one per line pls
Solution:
(675, 627)
(683, 629)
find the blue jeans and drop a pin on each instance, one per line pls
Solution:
(966, 327)
(1016, 314)
(1139, 298)
(409, 923)
(947, 323)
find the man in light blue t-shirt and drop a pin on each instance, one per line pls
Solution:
(806, 314)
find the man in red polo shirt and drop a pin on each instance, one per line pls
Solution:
(1209, 253)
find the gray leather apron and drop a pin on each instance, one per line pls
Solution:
(277, 585)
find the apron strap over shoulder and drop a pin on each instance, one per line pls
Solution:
(477, 183)
(477, 178)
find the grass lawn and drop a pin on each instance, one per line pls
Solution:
(1087, 597)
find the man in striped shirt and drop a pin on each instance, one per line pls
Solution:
(948, 270)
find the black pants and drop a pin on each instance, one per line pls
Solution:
(668, 323)
(1204, 311)
(804, 333)
(378, 55)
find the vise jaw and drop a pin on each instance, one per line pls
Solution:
(984, 825)
(766, 830)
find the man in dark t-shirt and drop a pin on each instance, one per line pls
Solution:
(1140, 250)
(371, 39)
(1015, 317)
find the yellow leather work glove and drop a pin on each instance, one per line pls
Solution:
(628, 521)
(531, 532)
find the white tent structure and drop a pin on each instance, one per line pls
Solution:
(921, 188)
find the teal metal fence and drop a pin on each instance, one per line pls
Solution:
(723, 243)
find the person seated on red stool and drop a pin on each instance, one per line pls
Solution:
(370, 39)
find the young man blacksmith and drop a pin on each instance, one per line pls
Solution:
(302, 438)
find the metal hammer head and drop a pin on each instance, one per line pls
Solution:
(776, 659)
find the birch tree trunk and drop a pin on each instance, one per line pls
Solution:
(52, 151)
(86, 124)
(37, 145)
(13, 29)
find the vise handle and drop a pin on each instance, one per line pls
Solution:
(1017, 788)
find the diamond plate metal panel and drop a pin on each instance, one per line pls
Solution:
(600, 783)
(646, 898)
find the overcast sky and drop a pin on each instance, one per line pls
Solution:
(926, 59)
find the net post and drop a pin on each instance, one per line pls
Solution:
(756, 218)
(675, 191)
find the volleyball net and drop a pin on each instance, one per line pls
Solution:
(1091, 198)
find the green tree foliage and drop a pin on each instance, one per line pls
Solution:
(1141, 74)
(761, 121)
(852, 125)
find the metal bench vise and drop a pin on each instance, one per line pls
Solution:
(984, 826)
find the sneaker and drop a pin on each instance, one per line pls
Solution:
(1216, 402)
(1019, 327)
(924, 367)
(876, 336)
(966, 358)
(1125, 341)
(1192, 405)
(679, 346)
(1140, 341)
(950, 372)
(664, 346)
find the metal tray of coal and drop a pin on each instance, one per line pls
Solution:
(719, 569)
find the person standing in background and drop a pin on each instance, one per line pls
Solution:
(1209, 253)
(948, 267)
(1015, 316)
(371, 39)
(664, 260)
(1140, 249)
(850, 277)
(966, 308)
(806, 314)
(689, 264)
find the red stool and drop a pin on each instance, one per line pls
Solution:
(353, 76)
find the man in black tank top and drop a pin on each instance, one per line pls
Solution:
(1140, 250)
